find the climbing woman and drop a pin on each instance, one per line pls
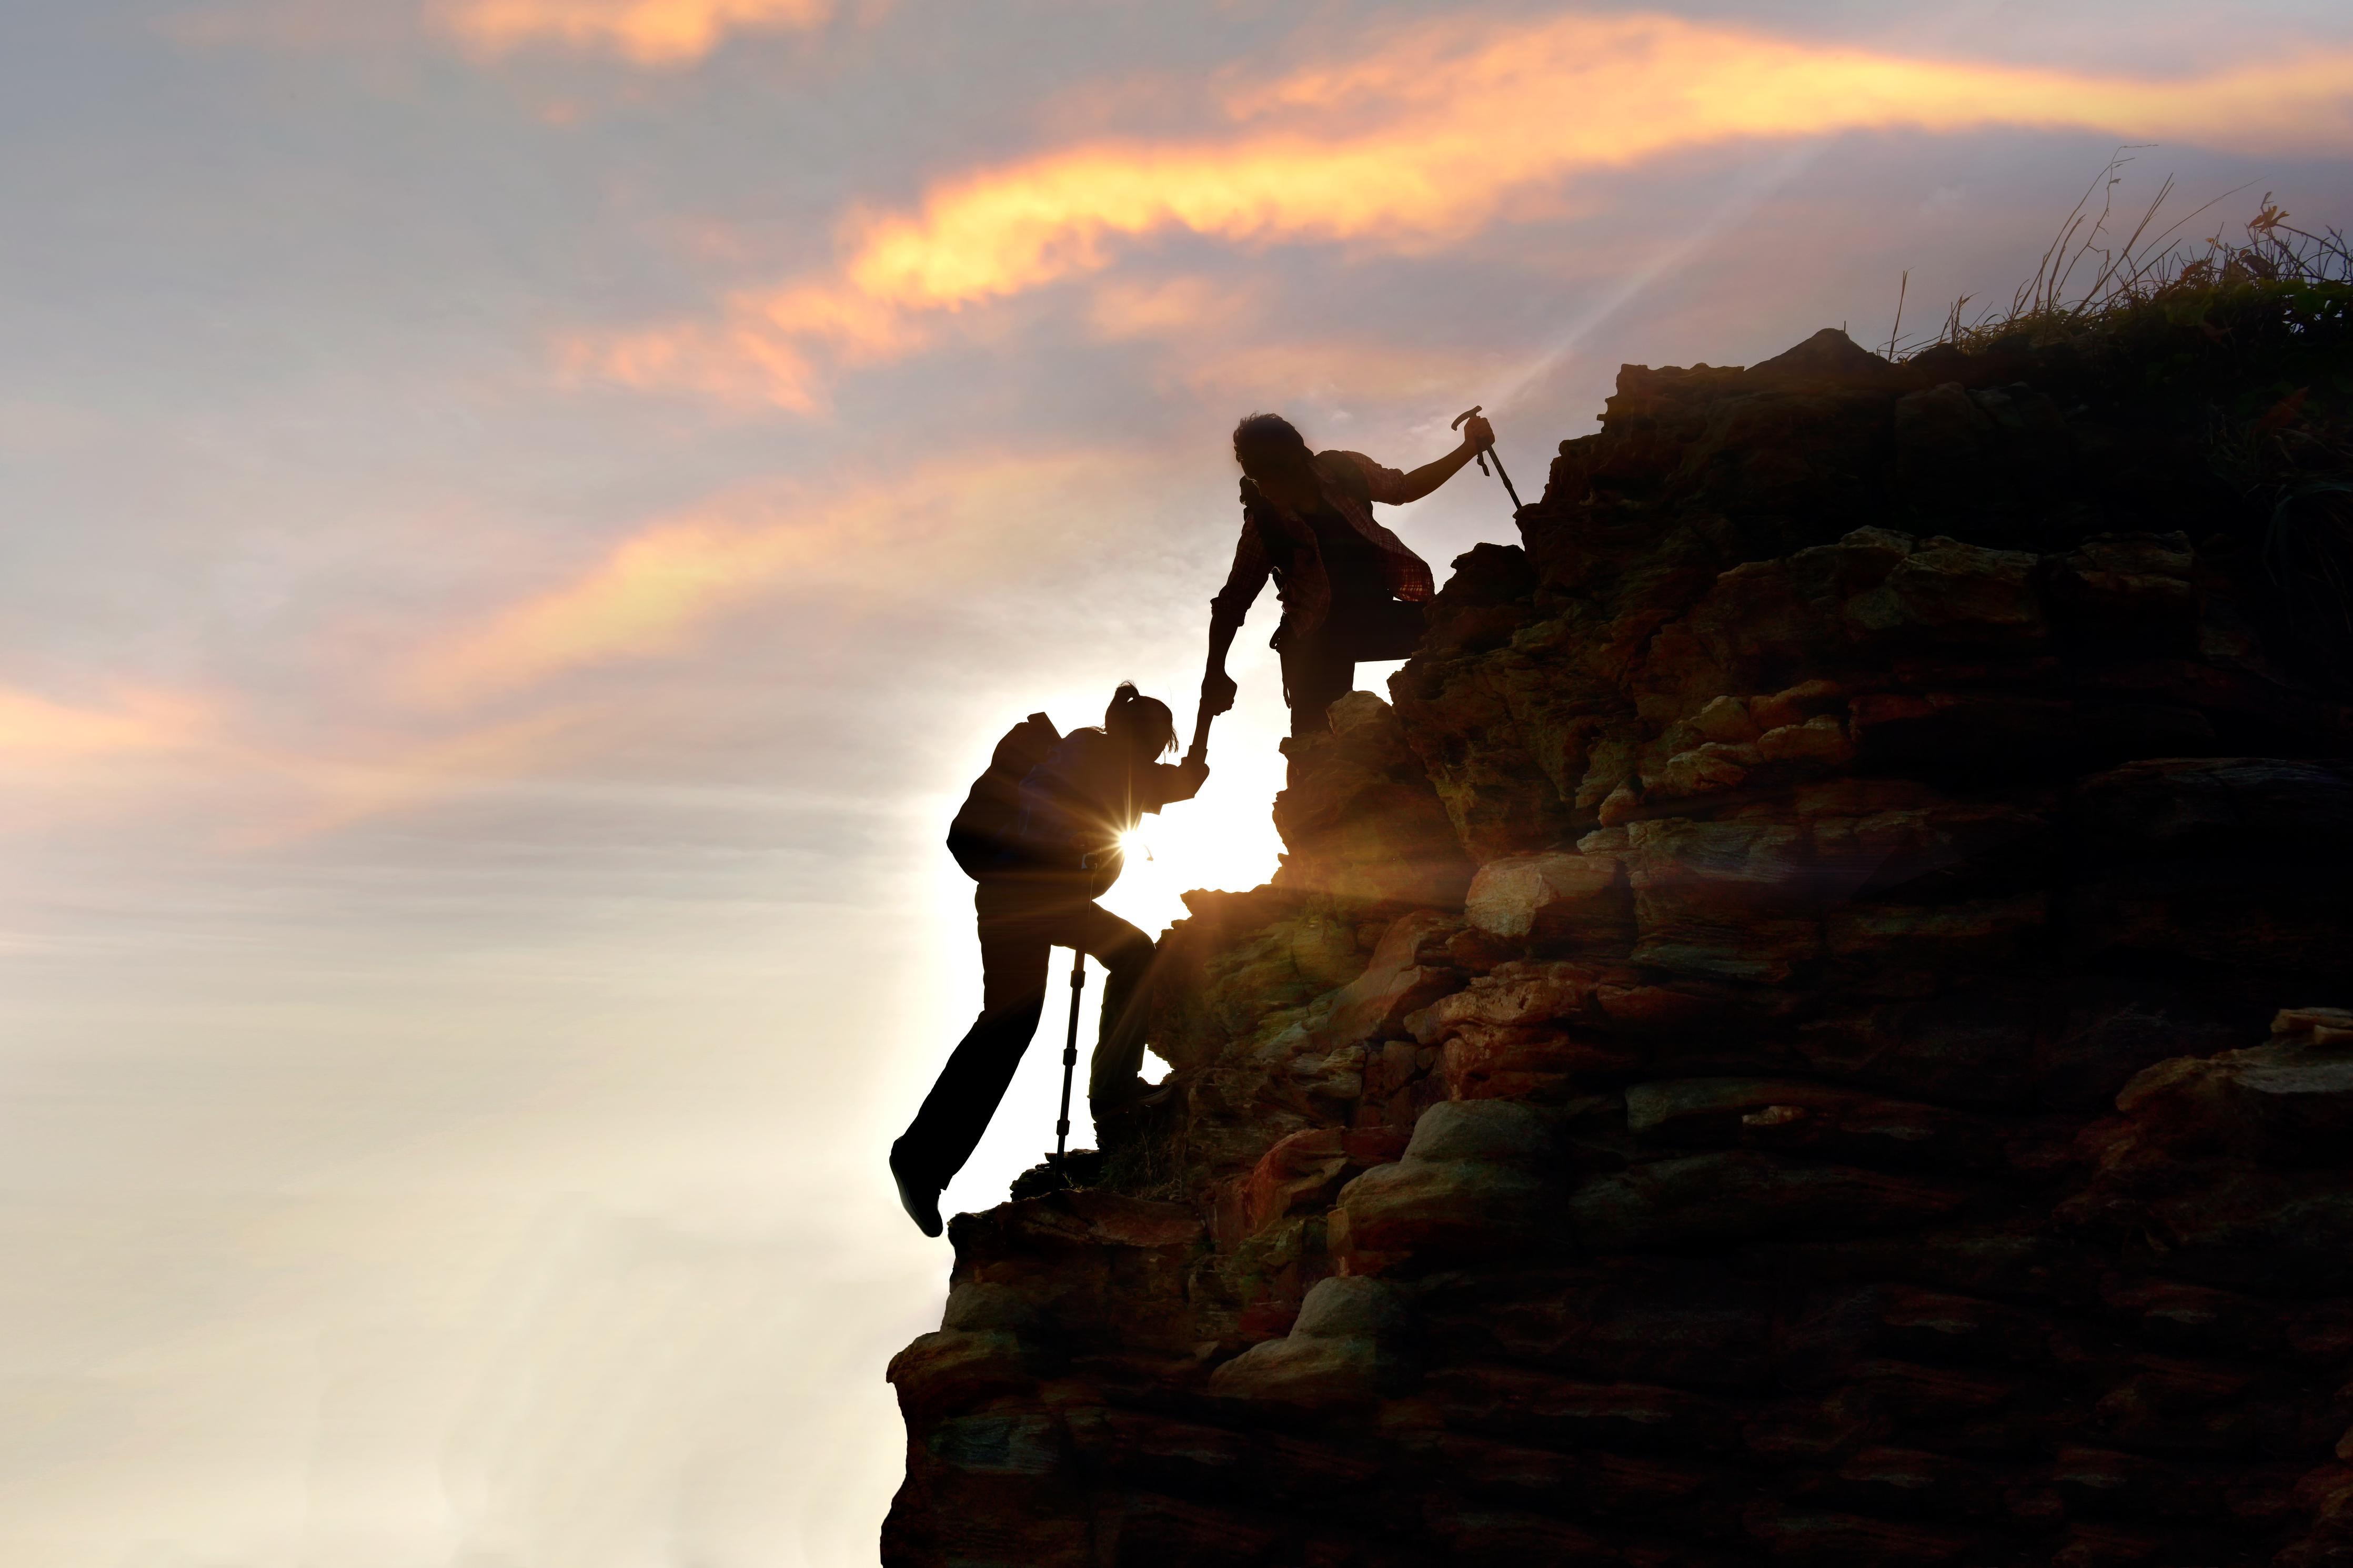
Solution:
(1041, 838)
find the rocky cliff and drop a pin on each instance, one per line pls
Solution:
(1802, 1032)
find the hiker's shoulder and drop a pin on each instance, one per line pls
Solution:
(1351, 468)
(1081, 744)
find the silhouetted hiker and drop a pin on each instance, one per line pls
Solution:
(1043, 856)
(1350, 590)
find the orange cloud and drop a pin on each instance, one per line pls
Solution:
(1435, 134)
(648, 32)
(759, 351)
(655, 590)
(35, 730)
(61, 762)
(1415, 146)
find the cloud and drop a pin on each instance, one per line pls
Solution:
(1433, 135)
(759, 351)
(661, 33)
(67, 762)
(652, 592)
(35, 730)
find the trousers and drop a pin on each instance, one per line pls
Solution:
(1021, 921)
(1320, 666)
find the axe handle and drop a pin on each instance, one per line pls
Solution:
(1508, 491)
(1488, 452)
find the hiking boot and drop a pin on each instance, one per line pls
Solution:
(1136, 1097)
(919, 1195)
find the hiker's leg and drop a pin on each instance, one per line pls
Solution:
(1126, 952)
(1013, 953)
(1317, 671)
(1392, 629)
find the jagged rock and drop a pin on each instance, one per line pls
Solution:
(1729, 900)
(1352, 1344)
(1397, 981)
(1481, 604)
(1557, 899)
(1476, 1177)
(1360, 817)
(1756, 1057)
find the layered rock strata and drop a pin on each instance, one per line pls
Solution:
(1802, 1033)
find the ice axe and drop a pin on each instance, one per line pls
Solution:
(1487, 451)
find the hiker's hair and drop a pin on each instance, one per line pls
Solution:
(1269, 432)
(1133, 716)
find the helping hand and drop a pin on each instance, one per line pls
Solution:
(1477, 433)
(1218, 690)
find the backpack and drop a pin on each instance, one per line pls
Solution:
(985, 837)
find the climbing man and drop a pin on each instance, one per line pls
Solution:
(1040, 834)
(1350, 589)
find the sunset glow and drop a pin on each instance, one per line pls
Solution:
(656, 587)
(649, 32)
(1416, 143)
(35, 729)
(526, 517)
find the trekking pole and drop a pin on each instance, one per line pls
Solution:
(1070, 1055)
(1486, 452)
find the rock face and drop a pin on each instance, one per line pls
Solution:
(1803, 1032)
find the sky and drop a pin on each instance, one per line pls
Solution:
(519, 519)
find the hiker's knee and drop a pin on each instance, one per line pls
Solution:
(1014, 1021)
(1129, 953)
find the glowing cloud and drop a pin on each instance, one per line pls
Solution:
(758, 353)
(652, 591)
(1410, 148)
(37, 730)
(1430, 137)
(648, 32)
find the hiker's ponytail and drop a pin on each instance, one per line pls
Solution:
(1133, 716)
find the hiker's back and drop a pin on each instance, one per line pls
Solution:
(1075, 804)
(986, 837)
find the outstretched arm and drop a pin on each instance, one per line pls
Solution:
(1477, 437)
(1177, 781)
(1250, 573)
(1217, 687)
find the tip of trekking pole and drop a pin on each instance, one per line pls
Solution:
(1059, 1173)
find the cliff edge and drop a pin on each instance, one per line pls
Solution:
(1803, 1032)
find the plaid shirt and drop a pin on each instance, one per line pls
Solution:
(1275, 544)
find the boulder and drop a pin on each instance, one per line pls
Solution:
(1352, 1343)
(1394, 985)
(1360, 819)
(2289, 1102)
(1476, 1177)
(1731, 900)
(1556, 899)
